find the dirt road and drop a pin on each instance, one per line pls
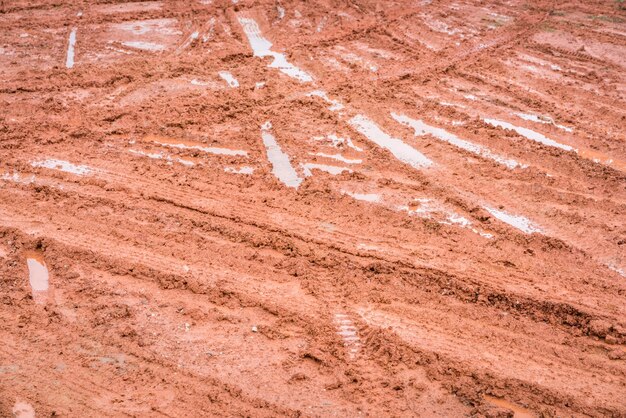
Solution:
(320, 208)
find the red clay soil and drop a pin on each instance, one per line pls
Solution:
(312, 208)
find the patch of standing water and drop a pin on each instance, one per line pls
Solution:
(161, 156)
(367, 247)
(331, 169)
(23, 410)
(399, 149)
(518, 411)
(192, 145)
(595, 156)
(69, 62)
(421, 128)
(449, 104)
(365, 197)
(516, 221)
(617, 269)
(188, 41)
(229, 78)
(542, 119)
(38, 275)
(281, 164)
(197, 82)
(166, 27)
(64, 166)
(338, 157)
(17, 178)
(353, 58)
(530, 134)
(425, 208)
(146, 46)
(261, 47)
(334, 104)
(348, 333)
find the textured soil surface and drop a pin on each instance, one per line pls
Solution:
(312, 208)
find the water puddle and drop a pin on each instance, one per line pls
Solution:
(600, 158)
(11, 368)
(23, 410)
(188, 41)
(367, 247)
(240, 170)
(529, 134)
(348, 333)
(399, 149)
(335, 64)
(261, 47)
(161, 156)
(542, 119)
(167, 27)
(595, 156)
(197, 82)
(423, 129)
(192, 145)
(429, 209)
(17, 178)
(354, 59)
(516, 221)
(441, 27)
(281, 164)
(64, 166)
(334, 104)
(146, 46)
(449, 104)
(614, 267)
(229, 78)
(38, 276)
(322, 24)
(338, 157)
(121, 51)
(331, 169)
(365, 197)
(69, 62)
(518, 411)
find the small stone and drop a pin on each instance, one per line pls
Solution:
(610, 339)
(255, 329)
(617, 354)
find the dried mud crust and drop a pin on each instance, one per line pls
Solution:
(313, 208)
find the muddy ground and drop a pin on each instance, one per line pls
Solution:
(313, 208)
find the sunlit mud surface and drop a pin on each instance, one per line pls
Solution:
(312, 208)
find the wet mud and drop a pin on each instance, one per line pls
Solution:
(262, 208)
